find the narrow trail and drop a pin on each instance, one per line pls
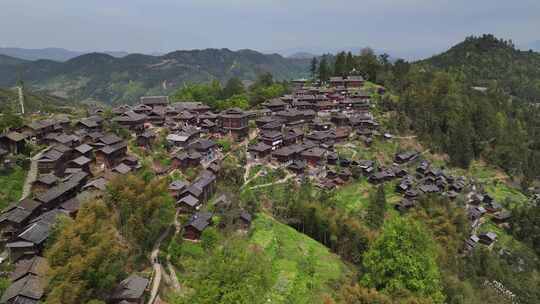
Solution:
(170, 267)
(281, 181)
(31, 176)
(157, 266)
(405, 137)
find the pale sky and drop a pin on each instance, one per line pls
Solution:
(397, 26)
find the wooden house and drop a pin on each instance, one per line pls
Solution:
(314, 156)
(284, 154)
(130, 120)
(130, 290)
(44, 182)
(259, 150)
(155, 101)
(52, 161)
(234, 122)
(207, 148)
(275, 105)
(13, 142)
(111, 155)
(188, 204)
(487, 238)
(346, 82)
(16, 216)
(186, 159)
(196, 225)
(176, 187)
(83, 150)
(146, 139)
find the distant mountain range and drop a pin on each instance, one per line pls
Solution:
(55, 54)
(105, 78)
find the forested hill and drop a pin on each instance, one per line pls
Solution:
(109, 79)
(33, 101)
(487, 59)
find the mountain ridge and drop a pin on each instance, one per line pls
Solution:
(53, 53)
(102, 77)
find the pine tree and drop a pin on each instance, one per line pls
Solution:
(340, 64)
(324, 70)
(376, 208)
(313, 68)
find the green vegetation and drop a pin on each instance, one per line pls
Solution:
(404, 257)
(123, 80)
(11, 185)
(274, 264)
(145, 209)
(229, 273)
(303, 268)
(33, 102)
(87, 259)
(376, 208)
(486, 59)
(233, 95)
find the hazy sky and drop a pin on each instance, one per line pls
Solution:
(398, 26)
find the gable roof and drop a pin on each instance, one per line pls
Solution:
(110, 139)
(84, 148)
(122, 168)
(37, 266)
(151, 100)
(189, 200)
(28, 288)
(130, 288)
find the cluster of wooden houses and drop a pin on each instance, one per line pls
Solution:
(297, 131)
(76, 164)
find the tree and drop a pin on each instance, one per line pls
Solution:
(145, 209)
(376, 208)
(340, 65)
(87, 259)
(10, 120)
(368, 64)
(324, 70)
(233, 87)
(313, 67)
(403, 258)
(234, 274)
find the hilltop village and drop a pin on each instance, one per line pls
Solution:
(304, 133)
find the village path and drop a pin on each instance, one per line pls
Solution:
(157, 266)
(31, 176)
(170, 267)
(405, 137)
(281, 181)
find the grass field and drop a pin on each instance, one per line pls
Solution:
(294, 256)
(11, 185)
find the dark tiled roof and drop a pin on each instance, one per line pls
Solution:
(84, 148)
(110, 139)
(35, 266)
(132, 288)
(122, 168)
(30, 287)
(47, 179)
(189, 200)
(150, 100)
